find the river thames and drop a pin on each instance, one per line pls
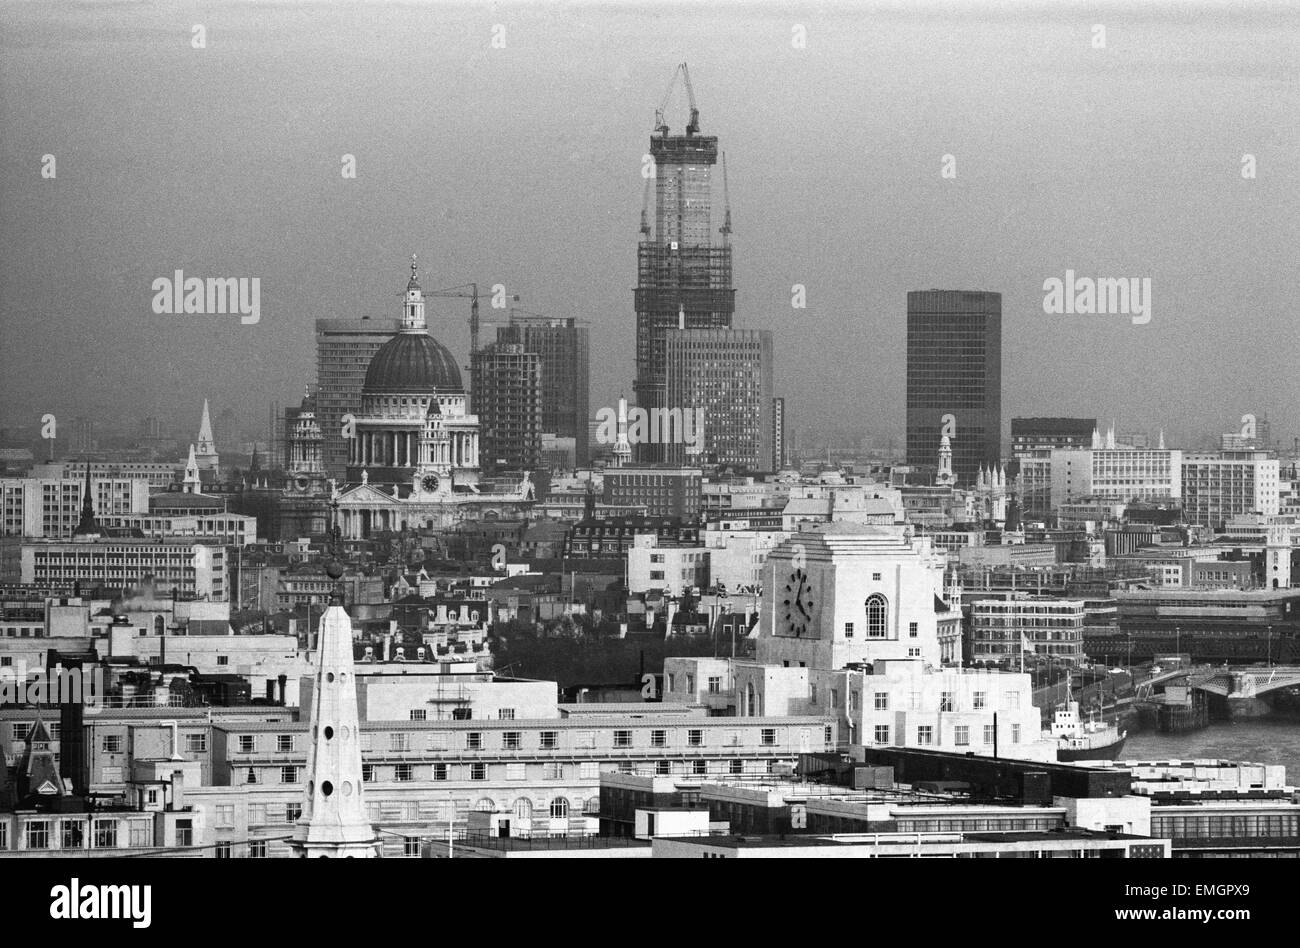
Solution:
(1274, 740)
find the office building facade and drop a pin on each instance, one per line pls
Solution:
(954, 378)
(344, 348)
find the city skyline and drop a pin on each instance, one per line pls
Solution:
(1053, 210)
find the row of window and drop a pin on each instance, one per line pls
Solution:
(961, 734)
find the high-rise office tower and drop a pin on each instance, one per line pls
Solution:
(720, 379)
(344, 348)
(954, 378)
(563, 348)
(506, 394)
(683, 279)
(780, 457)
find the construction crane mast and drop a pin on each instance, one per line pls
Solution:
(725, 229)
(467, 291)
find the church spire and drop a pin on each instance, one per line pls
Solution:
(88, 526)
(334, 821)
(192, 484)
(207, 447)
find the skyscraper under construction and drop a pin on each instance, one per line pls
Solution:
(683, 279)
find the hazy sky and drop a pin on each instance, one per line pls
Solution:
(521, 166)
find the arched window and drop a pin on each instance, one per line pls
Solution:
(750, 703)
(877, 616)
(559, 808)
(485, 805)
(523, 809)
(158, 625)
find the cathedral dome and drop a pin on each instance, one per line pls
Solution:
(412, 362)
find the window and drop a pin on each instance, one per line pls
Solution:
(877, 616)
(925, 735)
(736, 767)
(462, 714)
(224, 814)
(439, 772)
(1015, 734)
(715, 685)
(506, 714)
(589, 770)
(911, 629)
(695, 737)
(256, 814)
(247, 743)
(881, 734)
(38, 834)
(222, 851)
(516, 772)
(552, 770)
(848, 630)
(257, 849)
(622, 738)
(196, 743)
(223, 659)
(437, 742)
(947, 701)
(289, 774)
(875, 577)
(549, 739)
(112, 742)
(988, 734)
(474, 740)
(961, 735)
(478, 771)
(913, 653)
(978, 700)
(399, 741)
(663, 767)
(402, 773)
(72, 834)
(419, 714)
(284, 743)
(828, 734)
(587, 739)
(881, 700)
(699, 767)
(510, 740)
(1011, 700)
(411, 846)
(658, 738)
(768, 735)
(292, 812)
(560, 808)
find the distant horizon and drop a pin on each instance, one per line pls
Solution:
(521, 166)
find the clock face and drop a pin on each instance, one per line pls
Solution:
(797, 605)
(430, 483)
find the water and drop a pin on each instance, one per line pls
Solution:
(1274, 740)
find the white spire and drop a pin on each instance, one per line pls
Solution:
(622, 449)
(681, 316)
(1162, 439)
(1110, 435)
(333, 821)
(206, 451)
(192, 484)
(1096, 438)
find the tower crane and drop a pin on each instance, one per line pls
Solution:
(693, 127)
(467, 291)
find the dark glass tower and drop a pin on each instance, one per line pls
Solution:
(954, 367)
